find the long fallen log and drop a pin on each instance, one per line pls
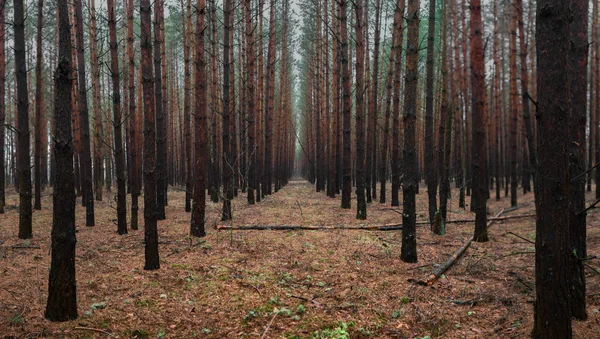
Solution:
(457, 254)
(309, 228)
(388, 227)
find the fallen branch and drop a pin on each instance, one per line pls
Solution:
(93, 330)
(520, 237)
(457, 254)
(389, 227)
(313, 228)
(28, 247)
(268, 326)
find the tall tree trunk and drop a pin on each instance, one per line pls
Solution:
(228, 158)
(117, 120)
(86, 158)
(250, 58)
(216, 155)
(269, 96)
(2, 103)
(374, 107)
(361, 203)
(479, 157)
(514, 110)
(346, 113)
(161, 137)
(552, 249)
(525, 89)
(430, 165)
(187, 39)
(396, 111)
(201, 135)
(96, 104)
(396, 43)
(39, 103)
(136, 146)
(444, 134)
(25, 230)
(151, 256)
(62, 291)
(578, 59)
(409, 232)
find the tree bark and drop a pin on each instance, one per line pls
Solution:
(117, 120)
(39, 103)
(396, 107)
(479, 157)
(430, 165)
(361, 203)
(2, 103)
(161, 137)
(201, 135)
(151, 256)
(578, 59)
(409, 232)
(136, 146)
(552, 173)
(347, 116)
(62, 291)
(84, 124)
(24, 170)
(227, 156)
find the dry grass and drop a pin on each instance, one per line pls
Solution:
(231, 283)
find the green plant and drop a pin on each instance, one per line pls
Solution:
(338, 332)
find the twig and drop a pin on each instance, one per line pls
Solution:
(268, 326)
(586, 172)
(520, 237)
(590, 207)
(457, 254)
(93, 330)
(591, 268)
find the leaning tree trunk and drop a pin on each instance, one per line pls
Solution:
(409, 232)
(479, 157)
(62, 291)
(39, 103)
(201, 134)
(150, 225)
(86, 163)
(552, 249)
(25, 230)
(117, 120)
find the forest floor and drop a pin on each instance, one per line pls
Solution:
(283, 284)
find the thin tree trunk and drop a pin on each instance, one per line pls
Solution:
(86, 162)
(96, 104)
(479, 157)
(135, 150)
(347, 116)
(39, 103)
(117, 120)
(201, 135)
(250, 83)
(227, 156)
(430, 165)
(409, 232)
(361, 203)
(2, 103)
(187, 37)
(24, 169)
(161, 137)
(514, 111)
(151, 256)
